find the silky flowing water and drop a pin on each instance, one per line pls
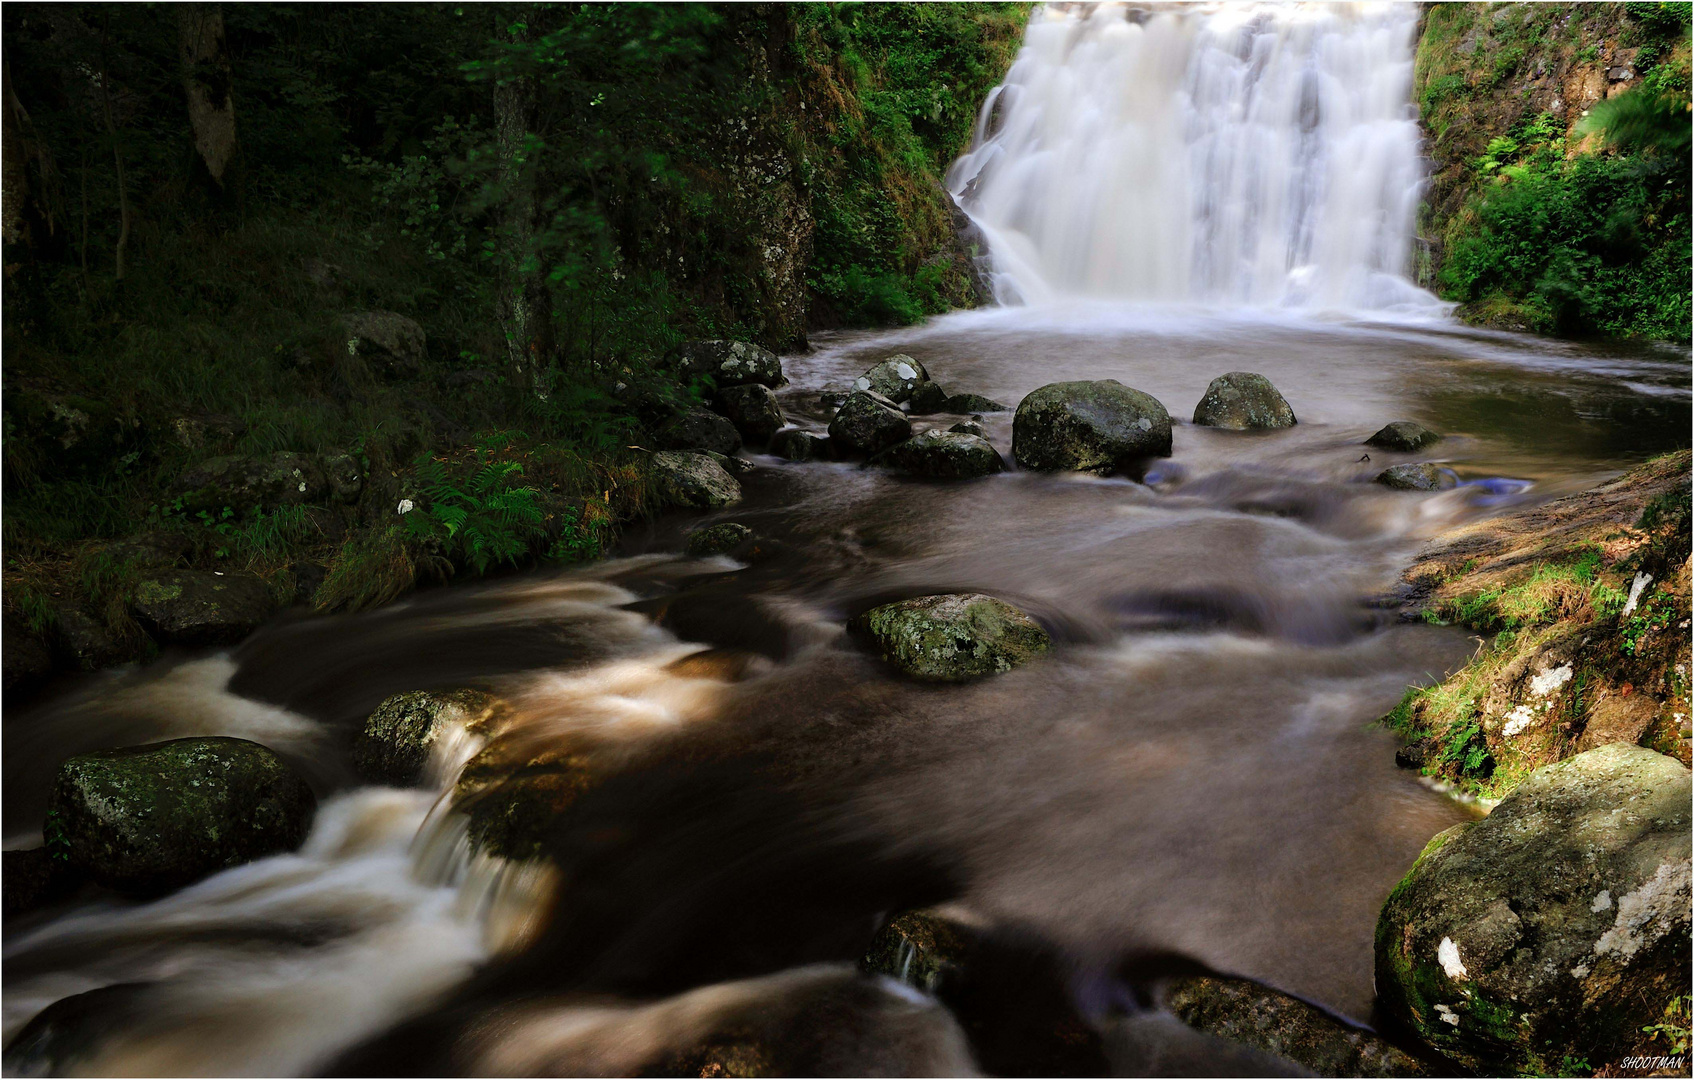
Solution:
(1193, 777)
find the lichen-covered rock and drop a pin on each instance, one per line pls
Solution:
(924, 949)
(717, 539)
(1553, 930)
(927, 397)
(1101, 426)
(752, 408)
(797, 444)
(972, 403)
(1404, 436)
(693, 480)
(403, 734)
(1417, 476)
(392, 345)
(953, 637)
(895, 378)
(699, 429)
(260, 482)
(148, 819)
(202, 607)
(1243, 401)
(943, 455)
(729, 363)
(1254, 1015)
(868, 423)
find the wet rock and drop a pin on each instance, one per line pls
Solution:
(752, 408)
(717, 539)
(943, 455)
(206, 431)
(729, 363)
(1554, 929)
(398, 739)
(1404, 436)
(202, 607)
(924, 949)
(693, 480)
(55, 431)
(260, 482)
(970, 427)
(953, 637)
(868, 423)
(927, 397)
(86, 642)
(148, 819)
(392, 345)
(831, 400)
(699, 429)
(729, 463)
(972, 403)
(1099, 426)
(797, 444)
(24, 657)
(1246, 1012)
(32, 878)
(72, 1030)
(1243, 401)
(896, 378)
(1417, 476)
(512, 801)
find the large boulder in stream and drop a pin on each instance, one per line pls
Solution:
(1404, 436)
(752, 408)
(1101, 426)
(400, 739)
(1418, 476)
(149, 819)
(943, 455)
(729, 363)
(868, 423)
(202, 607)
(1243, 401)
(693, 480)
(1554, 930)
(895, 378)
(953, 637)
(699, 429)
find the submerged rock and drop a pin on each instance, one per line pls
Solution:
(202, 607)
(1254, 1015)
(392, 345)
(896, 378)
(1417, 476)
(1403, 435)
(729, 363)
(1553, 930)
(398, 739)
(972, 403)
(693, 480)
(699, 429)
(513, 800)
(797, 444)
(1243, 401)
(149, 819)
(717, 539)
(943, 455)
(868, 423)
(752, 408)
(953, 637)
(1101, 426)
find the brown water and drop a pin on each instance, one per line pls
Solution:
(1191, 778)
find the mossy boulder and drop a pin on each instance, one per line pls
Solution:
(399, 738)
(797, 444)
(752, 408)
(868, 423)
(391, 345)
(943, 455)
(729, 363)
(202, 607)
(1255, 1015)
(1417, 476)
(693, 480)
(953, 637)
(895, 378)
(1243, 401)
(719, 539)
(253, 482)
(85, 641)
(699, 429)
(972, 403)
(1101, 426)
(925, 949)
(148, 819)
(1404, 436)
(1551, 932)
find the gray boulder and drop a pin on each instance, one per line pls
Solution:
(717, 539)
(1243, 401)
(1255, 1015)
(699, 429)
(953, 637)
(797, 444)
(1553, 930)
(258, 482)
(752, 408)
(693, 480)
(895, 378)
(972, 403)
(729, 363)
(943, 455)
(868, 423)
(393, 346)
(1101, 426)
(202, 607)
(731, 464)
(398, 739)
(84, 639)
(148, 819)
(1404, 436)
(1417, 476)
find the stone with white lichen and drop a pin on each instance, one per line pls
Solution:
(953, 637)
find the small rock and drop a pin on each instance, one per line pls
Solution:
(943, 455)
(393, 346)
(148, 819)
(830, 400)
(201, 607)
(717, 539)
(972, 403)
(896, 378)
(729, 363)
(399, 738)
(1243, 401)
(699, 429)
(797, 444)
(1101, 426)
(1417, 476)
(953, 637)
(868, 423)
(1404, 436)
(927, 397)
(734, 466)
(262, 482)
(752, 408)
(970, 427)
(693, 480)
(920, 948)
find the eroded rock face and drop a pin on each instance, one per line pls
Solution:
(953, 637)
(400, 737)
(202, 607)
(868, 423)
(729, 363)
(943, 455)
(1404, 436)
(693, 480)
(699, 429)
(392, 345)
(1417, 476)
(1101, 426)
(895, 378)
(1553, 930)
(1243, 401)
(752, 408)
(149, 819)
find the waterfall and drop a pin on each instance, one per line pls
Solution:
(1220, 154)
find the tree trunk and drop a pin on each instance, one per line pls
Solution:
(27, 176)
(207, 78)
(118, 158)
(522, 305)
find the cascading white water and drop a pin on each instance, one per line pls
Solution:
(1240, 154)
